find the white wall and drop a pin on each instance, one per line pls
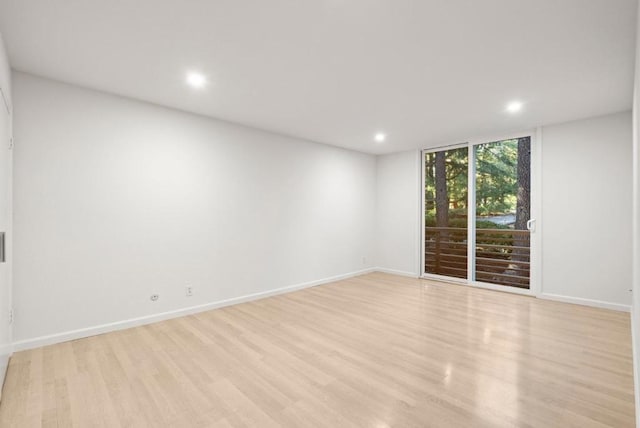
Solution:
(398, 213)
(116, 200)
(5, 209)
(586, 206)
(635, 311)
(586, 203)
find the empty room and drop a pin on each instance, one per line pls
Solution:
(285, 213)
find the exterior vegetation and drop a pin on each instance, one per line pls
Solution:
(502, 185)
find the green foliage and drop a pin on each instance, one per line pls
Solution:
(496, 178)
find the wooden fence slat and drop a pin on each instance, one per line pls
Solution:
(498, 260)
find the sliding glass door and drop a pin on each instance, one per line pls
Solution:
(478, 213)
(502, 212)
(446, 213)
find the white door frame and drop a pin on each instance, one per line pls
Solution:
(535, 280)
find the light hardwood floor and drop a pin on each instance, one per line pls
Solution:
(373, 351)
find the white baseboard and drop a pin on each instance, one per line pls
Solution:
(547, 296)
(636, 364)
(5, 354)
(585, 302)
(397, 272)
(51, 339)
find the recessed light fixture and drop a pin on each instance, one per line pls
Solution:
(379, 137)
(196, 80)
(514, 107)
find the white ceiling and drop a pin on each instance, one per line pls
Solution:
(426, 72)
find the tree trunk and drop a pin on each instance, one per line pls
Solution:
(428, 194)
(442, 200)
(523, 205)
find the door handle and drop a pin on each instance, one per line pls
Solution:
(531, 225)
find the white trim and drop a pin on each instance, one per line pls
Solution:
(477, 284)
(135, 322)
(419, 239)
(6, 101)
(5, 355)
(496, 138)
(397, 272)
(585, 302)
(4, 365)
(421, 232)
(471, 213)
(51, 339)
(535, 275)
(505, 288)
(635, 227)
(524, 292)
(636, 366)
(6, 350)
(445, 148)
(444, 278)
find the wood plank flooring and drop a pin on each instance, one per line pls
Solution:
(373, 351)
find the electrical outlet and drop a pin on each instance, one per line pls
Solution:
(11, 316)
(154, 297)
(188, 291)
(364, 260)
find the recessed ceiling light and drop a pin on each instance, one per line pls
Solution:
(196, 80)
(514, 107)
(380, 137)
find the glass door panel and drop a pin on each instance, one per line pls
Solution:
(446, 212)
(503, 211)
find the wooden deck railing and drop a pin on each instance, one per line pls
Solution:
(502, 255)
